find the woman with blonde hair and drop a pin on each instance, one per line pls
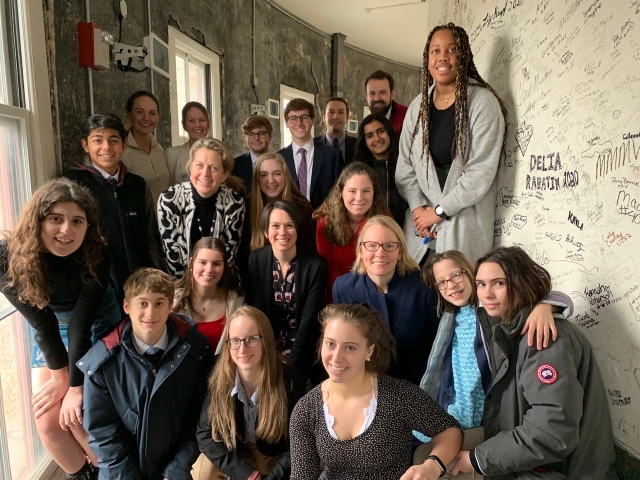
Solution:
(208, 205)
(205, 293)
(385, 277)
(54, 269)
(354, 198)
(244, 427)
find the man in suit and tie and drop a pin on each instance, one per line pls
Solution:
(314, 166)
(257, 131)
(380, 92)
(335, 118)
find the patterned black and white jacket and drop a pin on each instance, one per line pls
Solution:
(176, 208)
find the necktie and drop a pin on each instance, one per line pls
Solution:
(335, 143)
(153, 354)
(113, 183)
(302, 172)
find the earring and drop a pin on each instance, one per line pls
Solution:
(368, 359)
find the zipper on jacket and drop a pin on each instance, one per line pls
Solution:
(123, 233)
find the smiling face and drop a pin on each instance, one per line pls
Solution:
(245, 358)
(195, 124)
(208, 267)
(379, 95)
(300, 130)
(492, 288)
(206, 172)
(357, 196)
(149, 313)
(457, 294)
(443, 58)
(282, 232)
(258, 140)
(63, 229)
(344, 351)
(335, 117)
(271, 178)
(377, 139)
(380, 263)
(144, 115)
(105, 149)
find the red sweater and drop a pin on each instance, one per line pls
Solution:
(398, 112)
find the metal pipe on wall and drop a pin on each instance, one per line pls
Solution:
(87, 12)
(151, 89)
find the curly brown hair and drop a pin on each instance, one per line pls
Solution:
(466, 70)
(337, 229)
(26, 271)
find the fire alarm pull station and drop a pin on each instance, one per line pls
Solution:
(93, 46)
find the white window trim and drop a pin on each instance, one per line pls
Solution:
(290, 92)
(206, 56)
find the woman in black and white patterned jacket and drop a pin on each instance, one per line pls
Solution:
(209, 204)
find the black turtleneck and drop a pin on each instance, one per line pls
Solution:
(205, 212)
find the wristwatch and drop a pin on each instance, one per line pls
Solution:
(440, 212)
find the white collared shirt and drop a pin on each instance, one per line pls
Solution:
(249, 409)
(328, 139)
(142, 347)
(297, 158)
(254, 159)
(388, 114)
(106, 175)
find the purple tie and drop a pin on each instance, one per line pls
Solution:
(302, 172)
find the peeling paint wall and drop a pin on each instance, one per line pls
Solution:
(287, 52)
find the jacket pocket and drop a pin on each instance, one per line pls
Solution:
(130, 420)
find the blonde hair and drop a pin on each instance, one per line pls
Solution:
(233, 182)
(290, 193)
(273, 423)
(149, 280)
(406, 264)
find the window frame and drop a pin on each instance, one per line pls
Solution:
(178, 41)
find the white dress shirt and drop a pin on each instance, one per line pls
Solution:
(142, 347)
(297, 158)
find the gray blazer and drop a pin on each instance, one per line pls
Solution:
(469, 198)
(176, 159)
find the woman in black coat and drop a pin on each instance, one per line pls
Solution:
(297, 277)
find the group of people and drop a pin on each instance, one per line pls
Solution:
(334, 310)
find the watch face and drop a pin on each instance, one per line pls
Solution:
(438, 210)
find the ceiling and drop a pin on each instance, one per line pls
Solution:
(398, 33)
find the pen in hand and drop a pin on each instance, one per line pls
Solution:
(426, 239)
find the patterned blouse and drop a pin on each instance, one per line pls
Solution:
(284, 298)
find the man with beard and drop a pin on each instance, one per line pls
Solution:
(335, 118)
(380, 93)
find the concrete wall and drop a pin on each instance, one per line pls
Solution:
(287, 52)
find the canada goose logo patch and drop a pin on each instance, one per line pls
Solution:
(547, 374)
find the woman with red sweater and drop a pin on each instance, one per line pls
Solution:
(354, 198)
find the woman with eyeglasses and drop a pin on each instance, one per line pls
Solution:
(354, 198)
(195, 121)
(205, 293)
(385, 277)
(458, 374)
(244, 426)
(287, 283)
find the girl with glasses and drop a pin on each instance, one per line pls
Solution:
(545, 414)
(354, 198)
(205, 293)
(458, 373)
(358, 422)
(243, 429)
(386, 277)
(287, 283)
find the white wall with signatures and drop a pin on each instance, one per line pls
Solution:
(569, 187)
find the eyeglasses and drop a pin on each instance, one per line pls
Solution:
(251, 342)
(302, 118)
(456, 278)
(260, 134)
(386, 246)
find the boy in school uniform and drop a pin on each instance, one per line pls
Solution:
(126, 209)
(144, 386)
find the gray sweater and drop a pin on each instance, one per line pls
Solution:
(469, 198)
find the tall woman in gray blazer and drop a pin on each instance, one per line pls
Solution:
(287, 284)
(449, 151)
(196, 122)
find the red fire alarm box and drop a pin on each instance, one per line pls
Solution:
(93, 51)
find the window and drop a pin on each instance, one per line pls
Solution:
(25, 136)
(195, 76)
(287, 94)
